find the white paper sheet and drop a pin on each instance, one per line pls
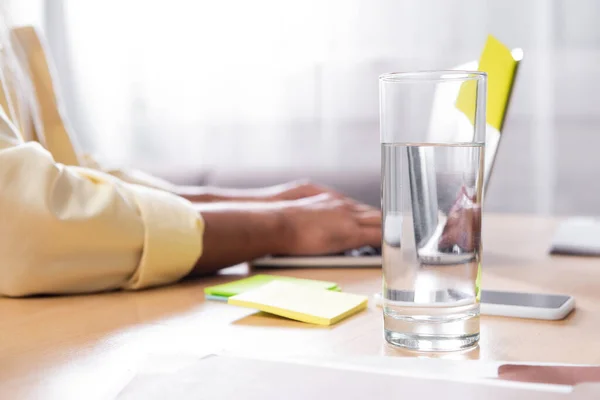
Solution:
(178, 378)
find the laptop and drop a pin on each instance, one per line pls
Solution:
(371, 257)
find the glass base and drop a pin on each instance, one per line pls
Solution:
(424, 342)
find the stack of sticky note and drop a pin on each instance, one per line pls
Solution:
(310, 301)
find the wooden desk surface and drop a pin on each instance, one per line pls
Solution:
(91, 346)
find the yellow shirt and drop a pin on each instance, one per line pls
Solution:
(65, 228)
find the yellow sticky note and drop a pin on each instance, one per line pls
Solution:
(301, 303)
(500, 66)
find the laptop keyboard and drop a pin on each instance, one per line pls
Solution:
(364, 251)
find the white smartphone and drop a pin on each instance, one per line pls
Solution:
(526, 305)
(521, 305)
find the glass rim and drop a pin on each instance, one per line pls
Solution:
(433, 76)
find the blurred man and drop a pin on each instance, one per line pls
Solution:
(67, 226)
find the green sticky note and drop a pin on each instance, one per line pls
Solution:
(500, 66)
(256, 281)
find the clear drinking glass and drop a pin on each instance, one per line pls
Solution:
(432, 164)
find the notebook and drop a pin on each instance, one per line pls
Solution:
(577, 236)
(226, 290)
(303, 303)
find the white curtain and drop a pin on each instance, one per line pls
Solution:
(271, 84)
(267, 83)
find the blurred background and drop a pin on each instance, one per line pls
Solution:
(248, 93)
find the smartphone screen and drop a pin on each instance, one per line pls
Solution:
(523, 299)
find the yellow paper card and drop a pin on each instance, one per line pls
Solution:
(500, 66)
(301, 303)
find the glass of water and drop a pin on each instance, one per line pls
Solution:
(432, 160)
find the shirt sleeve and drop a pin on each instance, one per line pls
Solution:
(74, 230)
(130, 176)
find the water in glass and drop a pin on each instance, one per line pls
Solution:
(431, 202)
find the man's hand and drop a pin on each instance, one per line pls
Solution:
(326, 224)
(463, 226)
(287, 191)
(297, 190)
(322, 224)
